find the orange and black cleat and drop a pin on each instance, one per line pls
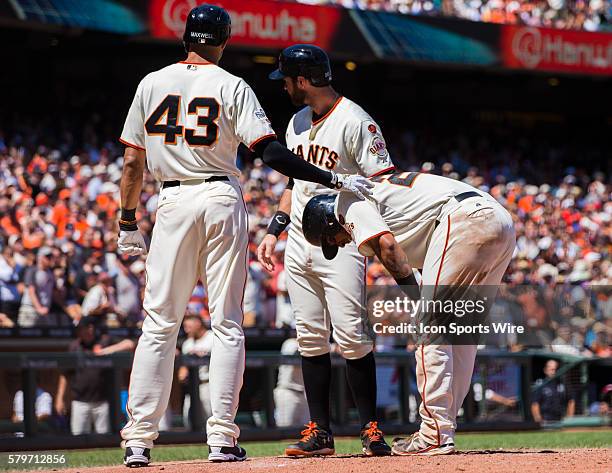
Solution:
(373, 442)
(315, 441)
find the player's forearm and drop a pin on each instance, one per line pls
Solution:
(131, 177)
(285, 202)
(392, 256)
(279, 158)
(394, 259)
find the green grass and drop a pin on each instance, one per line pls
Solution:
(476, 441)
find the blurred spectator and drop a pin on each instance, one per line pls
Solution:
(88, 386)
(128, 292)
(575, 15)
(100, 301)
(38, 293)
(551, 400)
(198, 343)
(10, 286)
(43, 407)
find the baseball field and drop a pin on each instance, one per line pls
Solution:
(524, 452)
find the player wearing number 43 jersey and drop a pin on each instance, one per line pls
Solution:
(458, 236)
(331, 132)
(187, 121)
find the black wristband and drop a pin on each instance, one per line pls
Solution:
(408, 280)
(127, 221)
(279, 222)
(408, 284)
(128, 215)
(126, 226)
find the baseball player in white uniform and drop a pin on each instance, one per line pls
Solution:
(331, 132)
(187, 120)
(457, 236)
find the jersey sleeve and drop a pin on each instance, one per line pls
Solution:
(370, 149)
(361, 219)
(250, 121)
(133, 130)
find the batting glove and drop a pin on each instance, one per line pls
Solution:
(358, 185)
(131, 243)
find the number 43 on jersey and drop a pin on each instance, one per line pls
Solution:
(168, 111)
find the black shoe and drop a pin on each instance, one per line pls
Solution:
(227, 454)
(314, 441)
(373, 442)
(136, 457)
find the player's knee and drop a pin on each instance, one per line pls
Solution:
(356, 350)
(312, 345)
(228, 329)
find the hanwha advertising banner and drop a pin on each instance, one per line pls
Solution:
(256, 23)
(556, 50)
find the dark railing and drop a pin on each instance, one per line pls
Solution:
(266, 364)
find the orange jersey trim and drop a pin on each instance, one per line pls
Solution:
(382, 171)
(207, 63)
(328, 113)
(261, 138)
(131, 145)
(371, 238)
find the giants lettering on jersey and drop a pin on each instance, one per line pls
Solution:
(318, 155)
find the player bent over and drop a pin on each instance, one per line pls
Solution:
(332, 132)
(187, 121)
(458, 235)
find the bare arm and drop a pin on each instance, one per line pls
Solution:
(123, 345)
(35, 302)
(535, 412)
(131, 177)
(394, 259)
(285, 201)
(267, 245)
(60, 407)
(571, 408)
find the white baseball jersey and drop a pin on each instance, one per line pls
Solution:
(194, 131)
(406, 204)
(345, 140)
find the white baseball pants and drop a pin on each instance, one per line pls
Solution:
(200, 232)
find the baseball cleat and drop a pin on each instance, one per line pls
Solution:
(314, 441)
(373, 442)
(135, 457)
(227, 454)
(413, 445)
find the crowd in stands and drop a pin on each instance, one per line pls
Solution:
(590, 15)
(58, 233)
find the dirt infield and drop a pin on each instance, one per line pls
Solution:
(517, 461)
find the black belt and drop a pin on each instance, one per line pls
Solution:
(466, 195)
(178, 183)
(459, 198)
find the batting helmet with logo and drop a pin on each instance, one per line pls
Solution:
(320, 224)
(207, 24)
(304, 60)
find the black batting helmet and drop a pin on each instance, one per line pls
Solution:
(304, 60)
(320, 225)
(207, 24)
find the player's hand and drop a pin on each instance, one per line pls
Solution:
(131, 243)
(358, 185)
(265, 251)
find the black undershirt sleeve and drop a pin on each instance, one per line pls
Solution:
(279, 158)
